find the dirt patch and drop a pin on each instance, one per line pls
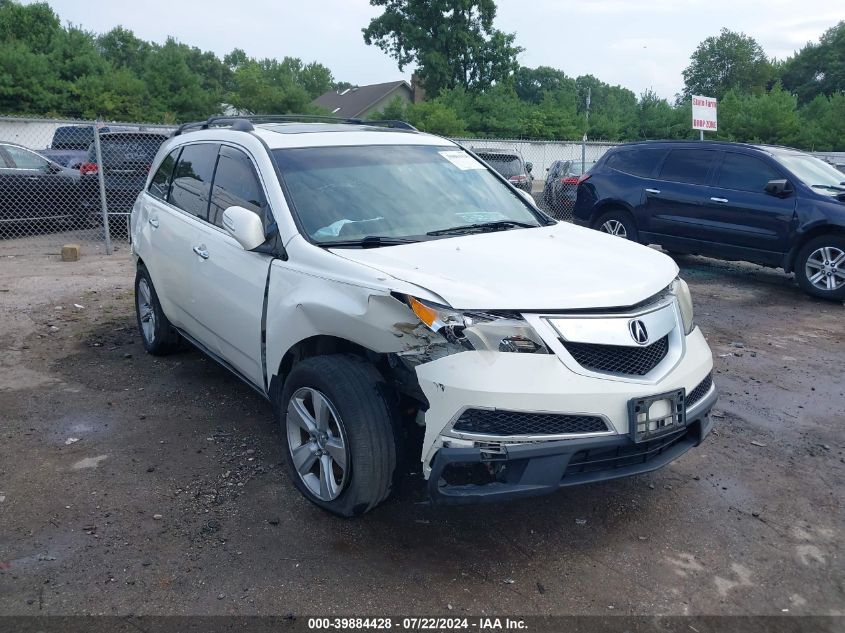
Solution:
(172, 498)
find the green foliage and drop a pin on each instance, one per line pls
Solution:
(474, 85)
(65, 71)
(270, 86)
(731, 60)
(452, 42)
(817, 69)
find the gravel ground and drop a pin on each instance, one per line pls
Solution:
(136, 485)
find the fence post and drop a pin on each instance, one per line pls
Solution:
(584, 154)
(102, 181)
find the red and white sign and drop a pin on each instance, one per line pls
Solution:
(704, 113)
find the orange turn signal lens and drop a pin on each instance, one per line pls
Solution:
(426, 315)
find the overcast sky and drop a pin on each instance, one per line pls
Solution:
(639, 44)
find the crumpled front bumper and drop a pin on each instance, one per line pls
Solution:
(540, 468)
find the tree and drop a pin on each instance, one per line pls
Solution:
(817, 69)
(655, 117)
(731, 60)
(532, 83)
(452, 42)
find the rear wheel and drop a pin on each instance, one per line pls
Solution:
(337, 429)
(820, 267)
(618, 223)
(157, 335)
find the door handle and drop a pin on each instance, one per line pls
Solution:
(153, 222)
(653, 191)
(200, 250)
(720, 200)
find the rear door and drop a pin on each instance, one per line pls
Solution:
(739, 211)
(675, 201)
(173, 229)
(230, 282)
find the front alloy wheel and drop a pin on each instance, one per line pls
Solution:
(317, 443)
(825, 268)
(820, 267)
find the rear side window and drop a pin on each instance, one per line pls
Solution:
(192, 178)
(687, 165)
(745, 173)
(637, 162)
(24, 159)
(236, 183)
(160, 184)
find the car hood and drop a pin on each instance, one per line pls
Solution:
(559, 267)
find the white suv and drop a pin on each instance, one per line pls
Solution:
(386, 290)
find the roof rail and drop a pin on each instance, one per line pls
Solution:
(245, 123)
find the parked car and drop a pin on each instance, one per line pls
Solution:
(510, 164)
(770, 205)
(35, 190)
(127, 158)
(380, 288)
(561, 186)
(69, 147)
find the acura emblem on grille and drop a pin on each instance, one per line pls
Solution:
(638, 331)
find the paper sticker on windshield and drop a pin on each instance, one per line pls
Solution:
(461, 160)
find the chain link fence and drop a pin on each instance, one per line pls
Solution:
(67, 182)
(549, 170)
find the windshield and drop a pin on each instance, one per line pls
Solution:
(810, 169)
(394, 191)
(506, 164)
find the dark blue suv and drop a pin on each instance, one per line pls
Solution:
(770, 205)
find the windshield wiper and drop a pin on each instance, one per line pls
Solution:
(839, 187)
(371, 241)
(482, 227)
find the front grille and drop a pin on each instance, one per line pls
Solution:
(619, 359)
(507, 423)
(603, 459)
(699, 392)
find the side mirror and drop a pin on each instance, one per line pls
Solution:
(529, 166)
(245, 226)
(528, 197)
(779, 188)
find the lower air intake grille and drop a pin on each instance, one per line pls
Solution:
(619, 359)
(508, 423)
(700, 391)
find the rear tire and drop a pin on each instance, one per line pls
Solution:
(157, 334)
(820, 267)
(618, 223)
(337, 430)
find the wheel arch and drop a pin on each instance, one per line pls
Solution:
(317, 345)
(610, 206)
(813, 233)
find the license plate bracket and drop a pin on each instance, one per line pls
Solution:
(651, 417)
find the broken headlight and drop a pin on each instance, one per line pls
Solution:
(682, 294)
(487, 331)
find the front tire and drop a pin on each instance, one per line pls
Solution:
(618, 223)
(820, 267)
(337, 430)
(157, 334)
